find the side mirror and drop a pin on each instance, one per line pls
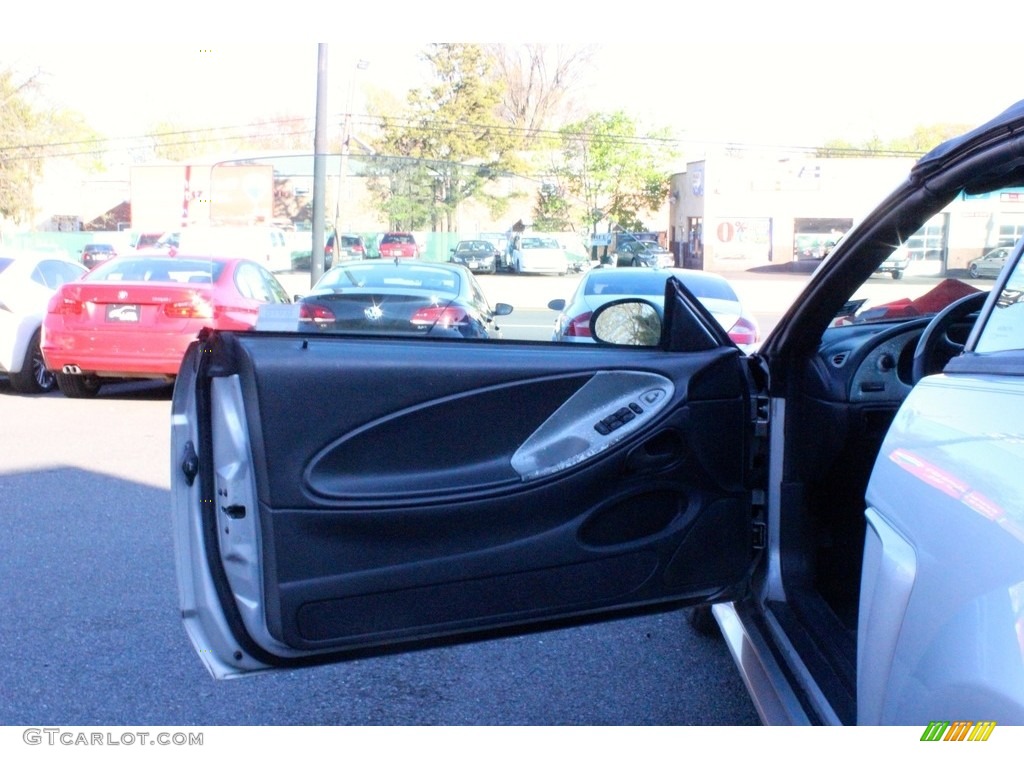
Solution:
(502, 309)
(298, 297)
(627, 322)
(557, 304)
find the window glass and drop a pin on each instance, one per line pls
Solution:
(53, 274)
(1004, 328)
(250, 282)
(157, 269)
(959, 251)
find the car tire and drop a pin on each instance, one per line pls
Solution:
(897, 274)
(974, 270)
(33, 378)
(78, 387)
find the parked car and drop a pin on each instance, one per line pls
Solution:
(27, 282)
(146, 240)
(848, 498)
(539, 255)
(398, 245)
(133, 316)
(991, 264)
(895, 265)
(96, 253)
(352, 247)
(266, 245)
(602, 285)
(641, 253)
(477, 255)
(409, 297)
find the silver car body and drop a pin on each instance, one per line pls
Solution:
(991, 264)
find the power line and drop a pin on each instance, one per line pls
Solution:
(245, 132)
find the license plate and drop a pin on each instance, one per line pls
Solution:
(123, 313)
(474, 264)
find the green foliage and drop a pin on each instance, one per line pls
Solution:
(454, 130)
(28, 136)
(923, 139)
(174, 142)
(615, 172)
(552, 211)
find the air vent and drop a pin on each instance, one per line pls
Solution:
(839, 358)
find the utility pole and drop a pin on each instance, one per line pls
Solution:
(316, 261)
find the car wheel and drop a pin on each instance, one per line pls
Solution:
(33, 378)
(897, 274)
(974, 270)
(75, 386)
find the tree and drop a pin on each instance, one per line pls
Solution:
(538, 80)
(923, 139)
(29, 135)
(552, 211)
(615, 173)
(179, 143)
(454, 130)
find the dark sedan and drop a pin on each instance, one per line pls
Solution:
(97, 253)
(477, 255)
(405, 298)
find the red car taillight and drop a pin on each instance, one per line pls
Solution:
(579, 326)
(315, 313)
(197, 308)
(62, 305)
(744, 331)
(446, 317)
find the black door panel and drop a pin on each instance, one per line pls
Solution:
(394, 504)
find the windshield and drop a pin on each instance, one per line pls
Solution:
(157, 269)
(386, 275)
(959, 251)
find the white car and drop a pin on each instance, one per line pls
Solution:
(848, 498)
(27, 282)
(539, 256)
(266, 245)
(602, 285)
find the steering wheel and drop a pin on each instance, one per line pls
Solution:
(935, 348)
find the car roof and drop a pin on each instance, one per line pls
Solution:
(643, 281)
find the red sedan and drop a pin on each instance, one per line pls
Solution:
(133, 316)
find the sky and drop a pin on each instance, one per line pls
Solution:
(742, 73)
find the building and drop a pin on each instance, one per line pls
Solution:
(735, 213)
(729, 212)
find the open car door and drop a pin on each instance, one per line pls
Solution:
(337, 496)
